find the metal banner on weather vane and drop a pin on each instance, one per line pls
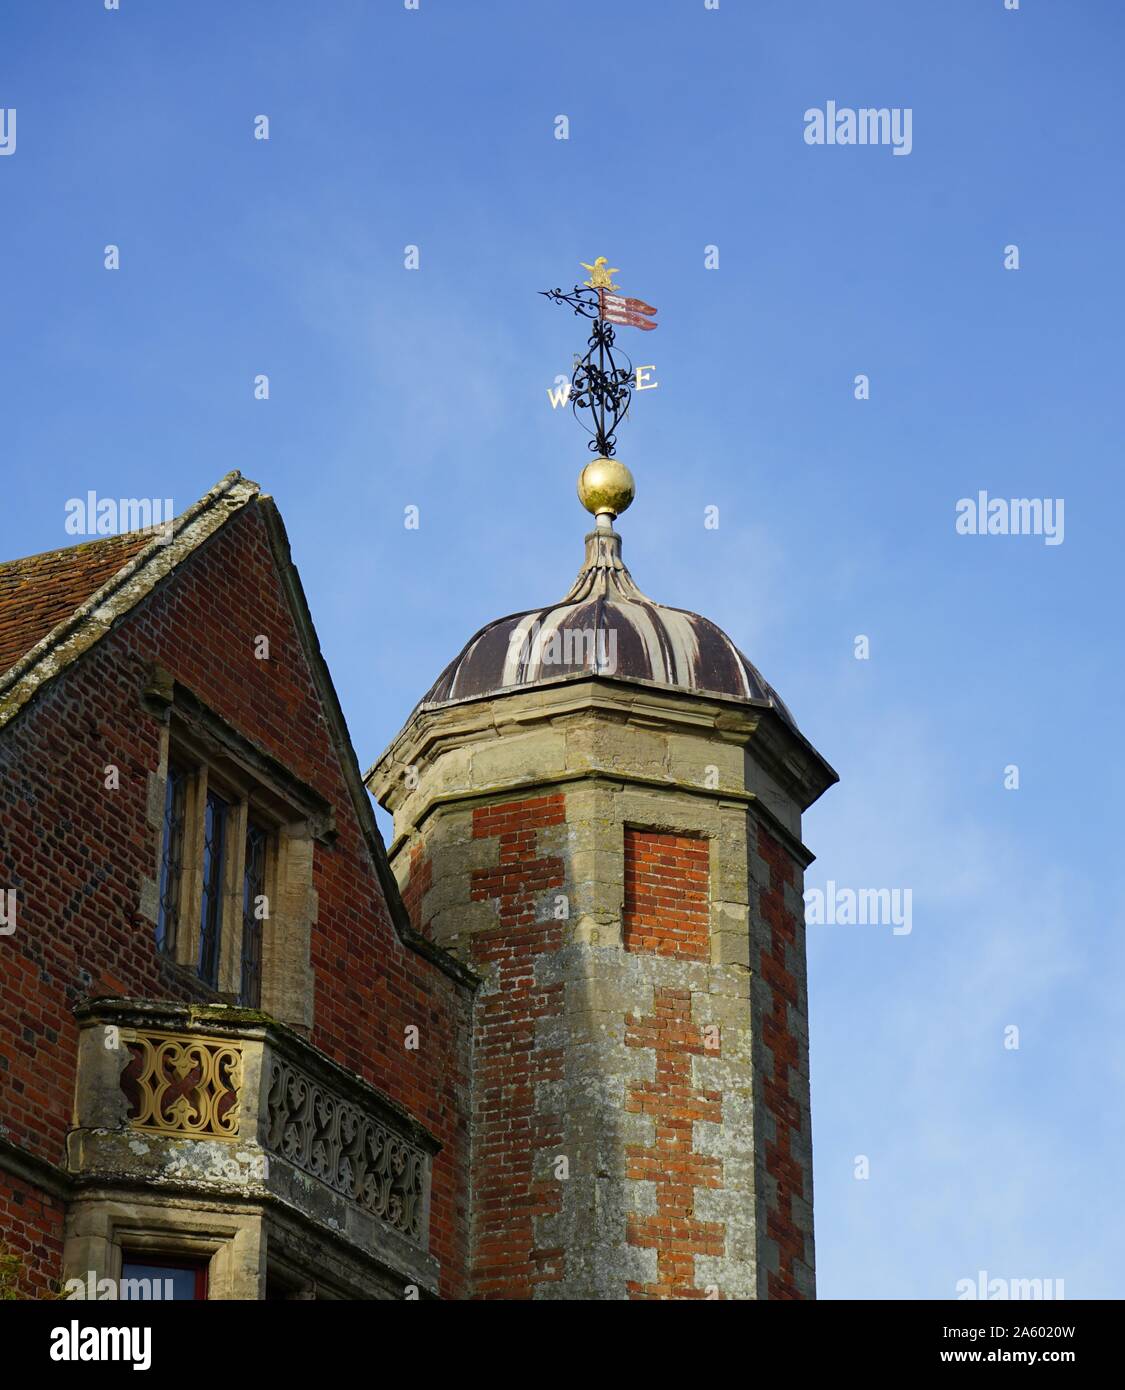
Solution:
(619, 308)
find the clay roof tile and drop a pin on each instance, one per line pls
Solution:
(38, 592)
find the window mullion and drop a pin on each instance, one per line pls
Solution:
(191, 887)
(269, 962)
(234, 861)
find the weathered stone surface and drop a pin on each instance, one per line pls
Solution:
(629, 1096)
(262, 1166)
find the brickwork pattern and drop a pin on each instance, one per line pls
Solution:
(511, 1132)
(783, 1152)
(418, 884)
(666, 895)
(31, 1230)
(671, 1163)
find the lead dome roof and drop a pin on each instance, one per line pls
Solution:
(605, 626)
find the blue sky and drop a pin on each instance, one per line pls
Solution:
(391, 387)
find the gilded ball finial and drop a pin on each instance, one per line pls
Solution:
(606, 487)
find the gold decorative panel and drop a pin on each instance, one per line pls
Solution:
(183, 1084)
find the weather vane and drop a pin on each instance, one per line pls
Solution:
(603, 382)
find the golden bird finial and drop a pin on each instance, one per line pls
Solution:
(601, 278)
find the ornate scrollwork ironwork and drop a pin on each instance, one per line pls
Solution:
(583, 301)
(353, 1153)
(602, 380)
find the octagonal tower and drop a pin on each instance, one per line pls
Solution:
(597, 807)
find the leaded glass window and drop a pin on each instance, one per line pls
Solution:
(211, 909)
(253, 896)
(171, 861)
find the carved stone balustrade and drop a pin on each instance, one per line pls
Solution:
(217, 1101)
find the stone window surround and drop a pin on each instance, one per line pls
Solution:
(258, 788)
(241, 1245)
(101, 1229)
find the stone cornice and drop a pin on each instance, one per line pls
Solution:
(480, 796)
(433, 731)
(35, 1171)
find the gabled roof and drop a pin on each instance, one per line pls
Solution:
(54, 607)
(38, 592)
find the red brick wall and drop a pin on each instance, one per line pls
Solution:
(782, 1164)
(418, 884)
(77, 854)
(667, 909)
(31, 1229)
(675, 1105)
(509, 1130)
